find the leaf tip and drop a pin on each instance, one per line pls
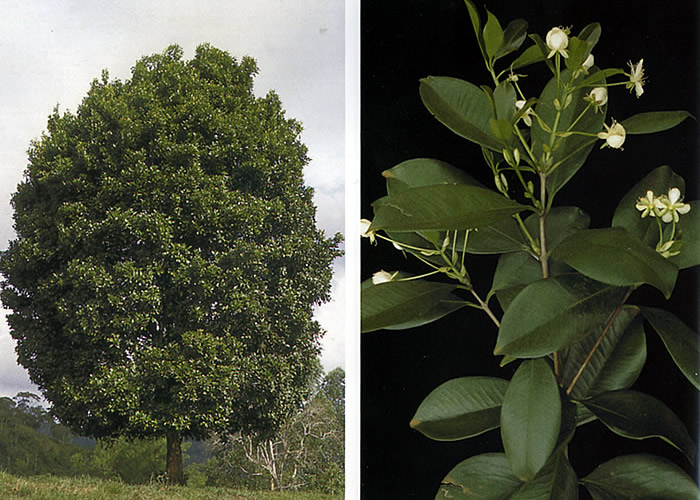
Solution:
(414, 423)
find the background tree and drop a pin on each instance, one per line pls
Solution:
(306, 453)
(167, 257)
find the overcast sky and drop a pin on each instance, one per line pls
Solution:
(52, 50)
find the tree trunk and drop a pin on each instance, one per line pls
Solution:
(173, 469)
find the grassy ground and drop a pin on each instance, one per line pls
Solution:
(60, 488)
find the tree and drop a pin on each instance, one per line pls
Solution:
(306, 453)
(167, 258)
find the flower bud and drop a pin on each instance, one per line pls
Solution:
(599, 96)
(557, 41)
(382, 277)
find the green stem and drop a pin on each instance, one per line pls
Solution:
(486, 308)
(544, 261)
(579, 117)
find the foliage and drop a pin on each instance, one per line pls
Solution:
(31, 443)
(55, 488)
(307, 453)
(133, 462)
(562, 288)
(167, 258)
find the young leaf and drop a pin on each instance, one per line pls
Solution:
(636, 415)
(554, 313)
(461, 107)
(513, 37)
(640, 476)
(615, 257)
(424, 172)
(483, 477)
(616, 363)
(680, 341)
(530, 418)
(531, 55)
(461, 408)
(493, 35)
(654, 121)
(399, 305)
(442, 207)
(659, 181)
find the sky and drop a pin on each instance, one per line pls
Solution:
(52, 50)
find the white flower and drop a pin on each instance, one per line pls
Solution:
(637, 79)
(614, 135)
(588, 63)
(383, 277)
(598, 96)
(647, 204)
(557, 41)
(667, 249)
(364, 230)
(668, 207)
(526, 117)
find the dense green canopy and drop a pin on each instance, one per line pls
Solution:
(167, 257)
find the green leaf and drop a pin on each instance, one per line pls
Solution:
(578, 51)
(493, 35)
(561, 222)
(501, 129)
(591, 34)
(615, 364)
(513, 37)
(556, 481)
(688, 231)
(569, 153)
(680, 341)
(636, 415)
(529, 56)
(424, 172)
(659, 180)
(500, 237)
(530, 418)
(399, 305)
(442, 207)
(476, 24)
(554, 313)
(504, 99)
(640, 476)
(482, 477)
(653, 121)
(461, 107)
(615, 257)
(461, 408)
(544, 51)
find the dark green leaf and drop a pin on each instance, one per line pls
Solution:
(556, 481)
(476, 24)
(554, 313)
(483, 477)
(461, 107)
(591, 34)
(461, 408)
(615, 257)
(616, 363)
(637, 415)
(513, 37)
(599, 76)
(442, 207)
(688, 231)
(530, 418)
(654, 121)
(493, 35)
(680, 341)
(659, 180)
(578, 51)
(642, 477)
(544, 51)
(560, 223)
(399, 305)
(501, 129)
(531, 55)
(499, 237)
(424, 172)
(504, 98)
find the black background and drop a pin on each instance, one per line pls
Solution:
(405, 40)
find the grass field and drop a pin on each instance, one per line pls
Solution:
(61, 488)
